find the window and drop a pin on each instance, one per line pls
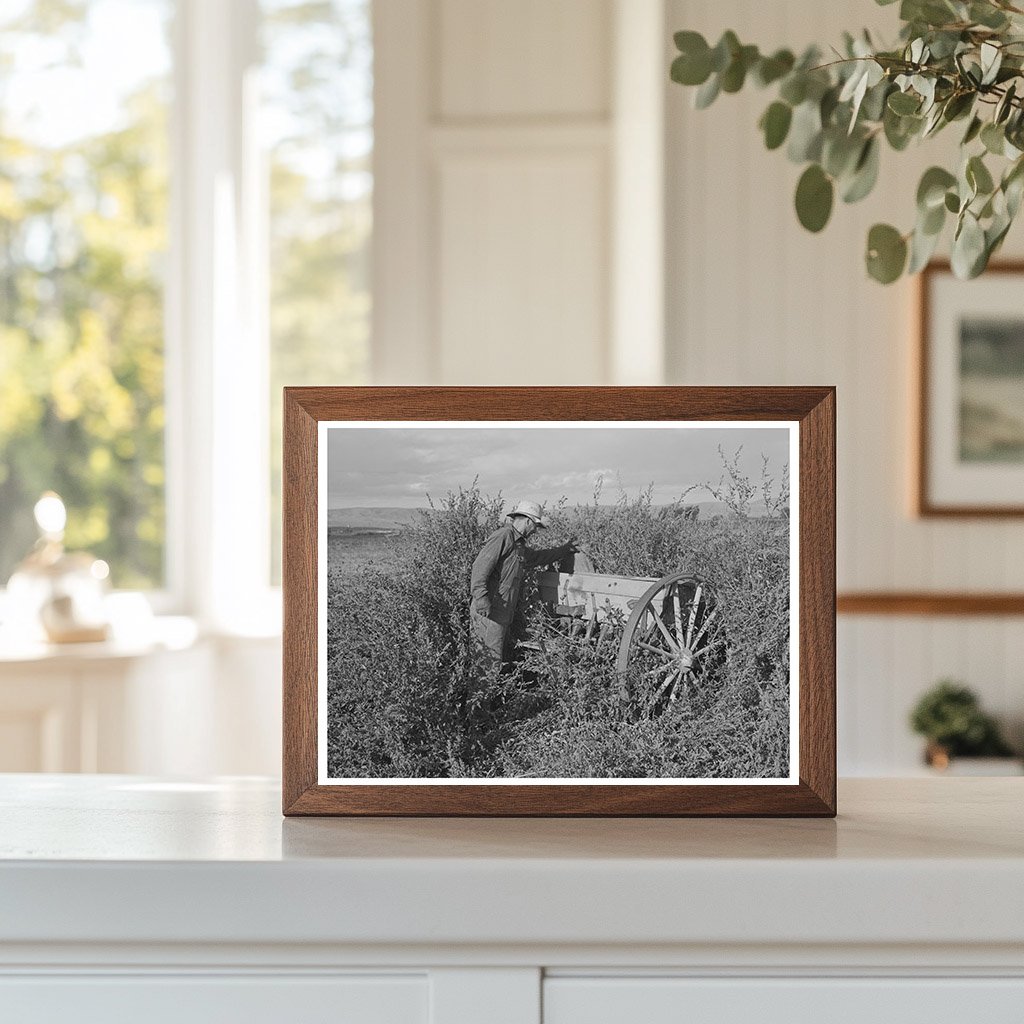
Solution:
(185, 221)
(83, 236)
(317, 117)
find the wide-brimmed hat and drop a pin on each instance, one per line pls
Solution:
(531, 510)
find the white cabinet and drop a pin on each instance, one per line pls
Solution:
(133, 898)
(829, 1000)
(203, 999)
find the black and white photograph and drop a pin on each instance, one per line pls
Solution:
(992, 389)
(546, 601)
(971, 393)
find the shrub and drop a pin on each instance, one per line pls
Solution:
(949, 715)
(408, 695)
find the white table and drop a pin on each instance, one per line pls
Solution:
(198, 902)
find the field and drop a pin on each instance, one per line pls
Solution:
(350, 550)
(409, 696)
(991, 417)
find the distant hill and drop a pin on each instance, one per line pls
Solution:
(392, 519)
(389, 519)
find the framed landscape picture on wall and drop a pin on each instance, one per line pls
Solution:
(559, 601)
(970, 445)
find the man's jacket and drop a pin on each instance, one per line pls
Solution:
(498, 571)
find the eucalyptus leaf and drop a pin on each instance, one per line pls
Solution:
(930, 12)
(932, 221)
(854, 92)
(973, 130)
(922, 248)
(995, 233)
(886, 253)
(931, 190)
(966, 187)
(827, 106)
(688, 42)
(840, 152)
(903, 103)
(900, 130)
(952, 202)
(1005, 104)
(978, 176)
(771, 69)
(925, 88)
(933, 122)
(865, 173)
(873, 106)
(987, 15)
(958, 105)
(993, 138)
(814, 195)
(805, 133)
(735, 74)
(1014, 191)
(1013, 187)
(991, 60)
(775, 124)
(724, 51)
(707, 93)
(690, 69)
(794, 88)
(968, 247)
(944, 44)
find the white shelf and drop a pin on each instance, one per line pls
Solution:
(121, 859)
(128, 896)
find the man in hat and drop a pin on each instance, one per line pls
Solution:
(497, 576)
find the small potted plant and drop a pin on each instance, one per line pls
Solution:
(950, 717)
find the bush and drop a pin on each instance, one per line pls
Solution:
(950, 717)
(409, 696)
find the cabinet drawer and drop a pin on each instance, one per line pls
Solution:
(202, 999)
(782, 1001)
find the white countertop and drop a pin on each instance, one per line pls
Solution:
(122, 859)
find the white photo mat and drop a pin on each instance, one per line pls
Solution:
(323, 432)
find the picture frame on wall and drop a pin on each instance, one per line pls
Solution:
(559, 601)
(970, 382)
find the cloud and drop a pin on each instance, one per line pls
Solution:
(401, 465)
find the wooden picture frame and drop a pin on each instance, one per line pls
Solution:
(808, 413)
(960, 471)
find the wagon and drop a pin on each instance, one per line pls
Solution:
(667, 627)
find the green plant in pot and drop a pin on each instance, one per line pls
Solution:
(956, 62)
(950, 717)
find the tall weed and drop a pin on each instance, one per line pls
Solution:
(409, 695)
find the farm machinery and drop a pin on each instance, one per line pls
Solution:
(667, 628)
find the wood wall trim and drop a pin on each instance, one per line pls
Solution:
(928, 603)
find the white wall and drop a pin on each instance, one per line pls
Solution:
(754, 299)
(506, 142)
(500, 155)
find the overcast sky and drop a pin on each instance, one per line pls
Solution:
(384, 466)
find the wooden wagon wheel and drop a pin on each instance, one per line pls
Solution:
(670, 634)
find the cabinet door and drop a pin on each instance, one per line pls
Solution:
(783, 1001)
(202, 999)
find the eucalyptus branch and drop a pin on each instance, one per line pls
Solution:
(953, 59)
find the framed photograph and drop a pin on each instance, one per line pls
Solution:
(559, 601)
(970, 445)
